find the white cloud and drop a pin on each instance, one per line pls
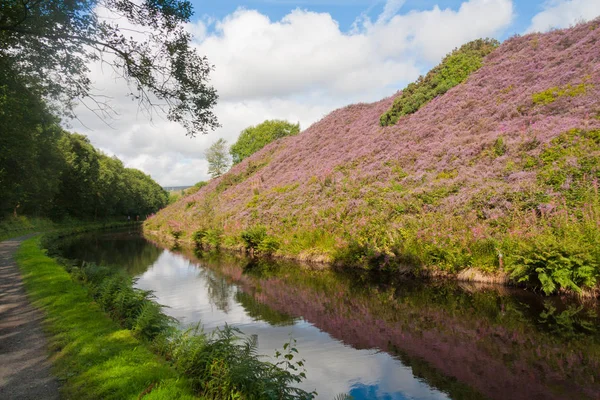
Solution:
(564, 13)
(298, 68)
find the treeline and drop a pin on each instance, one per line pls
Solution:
(48, 172)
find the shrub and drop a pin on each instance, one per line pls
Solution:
(256, 137)
(256, 239)
(268, 245)
(150, 321)
(133, 308)
(499, 147)
(225, 365)
(454, 69)
(198, 236)
(252, 237)
(208, 238)
(555, 265)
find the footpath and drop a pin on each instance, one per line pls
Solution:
(24, 365)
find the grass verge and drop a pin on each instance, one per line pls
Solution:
(19, 226)
(93, 357)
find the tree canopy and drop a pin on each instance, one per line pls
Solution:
(48, 45)
(256, 137)
(48, 172)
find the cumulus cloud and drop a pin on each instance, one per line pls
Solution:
(564, 13)
(307, 51)
(298, 68)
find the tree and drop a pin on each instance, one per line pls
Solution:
(145, 42)
(256, 137)
(30, 162)
(218, 158)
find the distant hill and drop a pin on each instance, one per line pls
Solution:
(498, 175)
(176, 188)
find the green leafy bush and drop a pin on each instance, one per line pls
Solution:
(210, 238)
(133, 308)
(253, 236)
(256, 137)
(454, 69)
(555, 265)
(225, 365)
(256, 239)
(499, 147)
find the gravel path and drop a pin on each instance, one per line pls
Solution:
(24, 366)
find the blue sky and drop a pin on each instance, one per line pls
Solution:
(345, 12)
(300, 60)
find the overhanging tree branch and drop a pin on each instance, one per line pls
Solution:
(66, 35)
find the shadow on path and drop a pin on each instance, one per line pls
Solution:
(24, 366)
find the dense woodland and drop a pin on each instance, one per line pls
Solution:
(46, 171)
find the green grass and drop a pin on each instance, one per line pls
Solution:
(22, 225)
(93, 357)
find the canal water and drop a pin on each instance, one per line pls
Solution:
(372, 335)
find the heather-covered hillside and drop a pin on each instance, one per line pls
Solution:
(499, 174)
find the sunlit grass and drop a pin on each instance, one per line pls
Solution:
(93, 357)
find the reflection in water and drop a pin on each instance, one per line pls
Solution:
(373, 336)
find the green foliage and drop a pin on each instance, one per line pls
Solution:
(218, 158)
(554, 265)
(48, 172)
(256, 239)
(133, 308)
(569, 163)
(549, 96)
(253, 236)
(256, 137)
(51, 45)
(225, 365)
(173, 197)
(30, 159)
(211, 238)
(195, 188)
(453, 70)
(92, 356)
(499, 147)
(447, 174)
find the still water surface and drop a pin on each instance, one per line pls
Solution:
(373, 336)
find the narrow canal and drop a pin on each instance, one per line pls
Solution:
(373, 336)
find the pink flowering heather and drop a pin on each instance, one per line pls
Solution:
(454, 172)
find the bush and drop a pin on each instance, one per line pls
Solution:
(208, 238)
(256, 239)
(555, 265)
(454, 69)
(226, 365)
(133, 308)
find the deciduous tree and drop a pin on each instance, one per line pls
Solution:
(256, 137)
(145, 42)
(218, 158)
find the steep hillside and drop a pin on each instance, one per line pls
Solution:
(500, 172)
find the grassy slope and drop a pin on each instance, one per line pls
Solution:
(93, 356)
(490, 168)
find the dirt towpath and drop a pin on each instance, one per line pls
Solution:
(24, 366)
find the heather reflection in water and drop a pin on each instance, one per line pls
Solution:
(375, 340)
